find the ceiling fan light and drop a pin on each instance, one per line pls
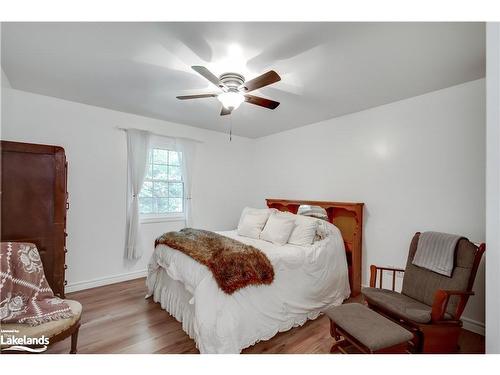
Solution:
(231, 100)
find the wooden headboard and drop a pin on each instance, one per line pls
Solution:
(348, 217)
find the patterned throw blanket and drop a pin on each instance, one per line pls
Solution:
(233, 264)
(25, 295)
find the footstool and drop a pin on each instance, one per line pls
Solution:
(366, 330)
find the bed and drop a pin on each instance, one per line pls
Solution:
(308, 279)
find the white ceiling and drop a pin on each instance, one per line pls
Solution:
(327, 69)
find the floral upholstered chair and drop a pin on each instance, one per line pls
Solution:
(31, 316)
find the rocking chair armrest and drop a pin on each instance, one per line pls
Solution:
(373, 274)
(441, 299)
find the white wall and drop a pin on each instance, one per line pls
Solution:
(493, 188)
(3, 77)
(417, 164)
(97, 179)
(5, 80)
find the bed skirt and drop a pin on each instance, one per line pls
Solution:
(175, 299)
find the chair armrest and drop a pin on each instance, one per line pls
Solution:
(373, 275)
(441, 299)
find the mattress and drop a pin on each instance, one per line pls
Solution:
(308, 279)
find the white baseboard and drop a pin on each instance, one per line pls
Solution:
(473, 325)
(82, 285)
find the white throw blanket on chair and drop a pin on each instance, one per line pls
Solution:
(436, 252)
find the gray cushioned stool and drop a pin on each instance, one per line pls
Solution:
(366, 330)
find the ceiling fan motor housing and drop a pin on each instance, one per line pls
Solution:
(235, 90)
(232, 80)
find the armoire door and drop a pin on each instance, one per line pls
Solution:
(33, 197)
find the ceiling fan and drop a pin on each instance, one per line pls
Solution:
(235, 89)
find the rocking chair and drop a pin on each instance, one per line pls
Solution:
(430, 305)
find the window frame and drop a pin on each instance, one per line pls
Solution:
(170, 216)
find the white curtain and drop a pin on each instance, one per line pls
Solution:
(188, 149)
(138, 144)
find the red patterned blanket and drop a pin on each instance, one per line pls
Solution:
(25, 295)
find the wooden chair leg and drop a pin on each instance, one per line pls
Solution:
(440, 339)
(340, 342)
(339, 346)
(333, 331)
(74, 341)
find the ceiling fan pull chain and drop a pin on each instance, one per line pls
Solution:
(230, 129)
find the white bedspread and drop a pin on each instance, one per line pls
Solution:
(307, 280)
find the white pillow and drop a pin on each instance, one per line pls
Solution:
(278, 229)
(325, 229)
(252, 221)
(304, 230)
(312, 211)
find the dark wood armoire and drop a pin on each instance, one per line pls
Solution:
(34, 201)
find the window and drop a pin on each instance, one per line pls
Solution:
(162, 192)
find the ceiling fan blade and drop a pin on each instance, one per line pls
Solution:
(263, 102)
(199, 96)
(224, 111)
(263, 80)
(201, 70)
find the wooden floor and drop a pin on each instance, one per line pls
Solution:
(117, 319)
